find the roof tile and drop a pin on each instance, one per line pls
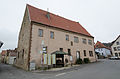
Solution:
(40, 16)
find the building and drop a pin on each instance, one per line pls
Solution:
(8, 56)
(116, 47)
(11, 56)
(3, 59)
(102, 50)
(44, 32)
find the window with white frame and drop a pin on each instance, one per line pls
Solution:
(51, 35)
(91, 53)
(76, 39)
(118, 48)
(67, 37)
(40, 32)
(115, 49)
(118, 43)
(90, 42)
(84, 40)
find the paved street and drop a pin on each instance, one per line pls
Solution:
(105, 69)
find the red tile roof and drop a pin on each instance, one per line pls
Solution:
(100, 45)
(3, 52)
(40, 16)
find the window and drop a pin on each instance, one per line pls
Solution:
(40, 32)
(115, 49)
(102, 54)
(71, 43)
(118, 48)
(91, 53)
(78, 54)
(117, 42)
(84, 52)
(18, 54)
(90, 42)
(116, 54)
(23, 54)
(119, 54)
(69, 52)
(84, 41)
(76, 39)
(98, 49)
(52, 35)
(61, 49)
(67, 37)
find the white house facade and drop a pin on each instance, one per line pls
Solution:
(103, 51)
(116, 47)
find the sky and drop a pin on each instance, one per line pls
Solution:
(101, 18)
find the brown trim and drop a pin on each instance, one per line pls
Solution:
(61, 29)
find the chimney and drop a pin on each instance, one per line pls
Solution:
(48, 14)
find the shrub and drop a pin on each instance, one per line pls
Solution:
(79, 61)
(86, 60)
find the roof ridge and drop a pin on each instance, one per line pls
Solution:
(52, 13)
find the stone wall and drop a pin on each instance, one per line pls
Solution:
(24, 43)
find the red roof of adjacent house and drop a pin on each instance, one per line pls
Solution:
(100, 45)
(3, 52)
(40, 16)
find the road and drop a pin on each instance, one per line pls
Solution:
(105, 69)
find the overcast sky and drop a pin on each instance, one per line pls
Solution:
(101, 18)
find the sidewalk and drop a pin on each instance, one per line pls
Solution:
(64, 69)
(57, 69)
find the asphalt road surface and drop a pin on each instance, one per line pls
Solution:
(105, 69)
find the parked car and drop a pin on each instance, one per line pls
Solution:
(114, 58)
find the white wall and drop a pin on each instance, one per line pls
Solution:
(103, 51)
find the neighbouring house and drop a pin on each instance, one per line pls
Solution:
(116, 47)
(44, 34)
(11, 56)
(101, 50)
(3, 59)
(8, 56)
